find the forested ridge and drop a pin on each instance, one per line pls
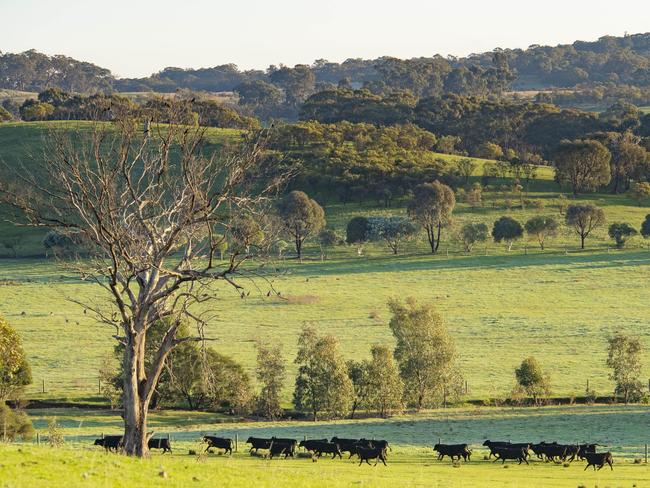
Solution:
(610, 67)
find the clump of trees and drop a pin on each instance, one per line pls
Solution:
(302, 218)
(541, 228)
(392, 230)
(532, 381)
(621, 232)
(323, 387)
(584, 219)
(270, 373)
(508, 230)
(472, 233)
(583, 164)
(624, 359)
(15, 375)
(376, 383)
(431, 207)
(425, 354)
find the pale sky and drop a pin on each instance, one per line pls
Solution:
(139, 37)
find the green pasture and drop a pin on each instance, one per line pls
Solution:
(411, 461)
(500, 308)
(36, 467)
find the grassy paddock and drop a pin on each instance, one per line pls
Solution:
(559, 308)
(44, 467)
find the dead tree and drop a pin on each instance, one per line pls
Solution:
(152, 209)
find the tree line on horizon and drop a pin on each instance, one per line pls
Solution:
(613, 66)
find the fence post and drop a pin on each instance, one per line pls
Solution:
(587, 390)
(646, 453)
(43, 387)
(444, 397)
(99, 386)
(236, 442)
(466, 388)
(38, 439)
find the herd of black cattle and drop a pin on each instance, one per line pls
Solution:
(377, 450)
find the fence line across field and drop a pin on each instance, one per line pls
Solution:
(93, 386)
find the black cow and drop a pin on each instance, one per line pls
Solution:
(346, 445)
(327, 448)
(163, 444)
(516, 453)
(491, 445)
(599, 459)
(453, 451)
(378, 443)
(218, 443)
(311, 444)
(367, 453)
(110, 442)
(539, 449)
(277, 448)
(584, 449)
(258, 443)
(507, 445)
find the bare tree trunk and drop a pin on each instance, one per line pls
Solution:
(135, 412)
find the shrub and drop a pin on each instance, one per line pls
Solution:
(15, 423)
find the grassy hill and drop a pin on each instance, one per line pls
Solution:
(21, 144)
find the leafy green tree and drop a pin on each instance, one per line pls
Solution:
(645, 227)
(322, 384)
(475, 195)
(489, 150)
(621, 232)
(508, 230)
(431, 207)
(302, 218)
(385, 385)
(12, 241)
(541, 228)
(270, 373)
(357, 232)
(584, 219)
(583, 164)
(465, 168)
(15, 373)
(5, 115)
(532, 380)
(327, 238)
(393, 230)
(207, 379)
(627, 159)
(624, 358)
(32, 110)
(246, 231)
(641, 192)
(297, 82)
(15, 424)
(471, 233)
(261, 98)
(359, 373)
(425, 353)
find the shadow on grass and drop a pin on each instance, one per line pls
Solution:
(419, 262)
